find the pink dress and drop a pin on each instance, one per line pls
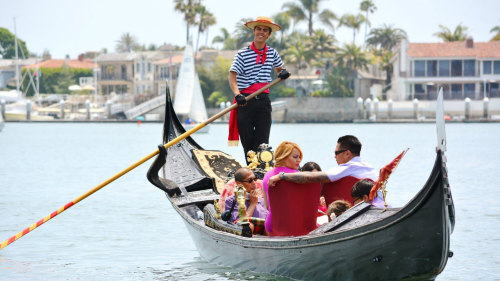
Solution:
(272, 172)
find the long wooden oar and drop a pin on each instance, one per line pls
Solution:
(6, 242)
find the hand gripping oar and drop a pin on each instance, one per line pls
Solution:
(7, 242)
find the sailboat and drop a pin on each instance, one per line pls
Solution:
(189, 104)
(1, 122)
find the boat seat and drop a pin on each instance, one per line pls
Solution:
(294, 208)
(339, 190)
(212, 220)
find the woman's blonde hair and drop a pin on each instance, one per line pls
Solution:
(283, 151)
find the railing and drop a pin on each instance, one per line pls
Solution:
(145, 107)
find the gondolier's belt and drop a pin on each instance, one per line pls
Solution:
(258, 97)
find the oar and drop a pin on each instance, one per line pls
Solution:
(7, 242)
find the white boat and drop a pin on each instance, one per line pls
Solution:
(188, 102)
(2, 124)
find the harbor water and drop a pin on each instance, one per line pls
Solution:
(129, 231)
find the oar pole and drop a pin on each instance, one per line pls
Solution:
(27, 230)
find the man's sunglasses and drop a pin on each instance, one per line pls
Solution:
(250, 180)
(340, 151)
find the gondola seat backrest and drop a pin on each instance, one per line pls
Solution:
(339, 190)
(294, 208)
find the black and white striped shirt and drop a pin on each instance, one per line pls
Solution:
(249, 72)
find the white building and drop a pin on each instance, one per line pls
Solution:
(463, 69)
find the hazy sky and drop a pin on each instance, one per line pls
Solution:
(73, 27)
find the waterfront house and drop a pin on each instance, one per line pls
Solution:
(116, 72)
(464, 69)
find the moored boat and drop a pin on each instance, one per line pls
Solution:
(364, 243)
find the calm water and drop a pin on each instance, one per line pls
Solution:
(129, 231)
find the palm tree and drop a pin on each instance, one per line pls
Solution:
(385, 37)
(187, 7)
(127, 43)
(354, 22)
(459, 34)
(243, 35)
(369, 7)
(299, 53)
(229, 43)
(282, 19)
(205, 20)
(306, 9)
(352, 58)
(322, 44)
(496, 29)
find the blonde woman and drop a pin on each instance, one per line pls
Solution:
(287, 160)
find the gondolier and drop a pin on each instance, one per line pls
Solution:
(250, 71)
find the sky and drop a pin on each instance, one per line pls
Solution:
(74, 27)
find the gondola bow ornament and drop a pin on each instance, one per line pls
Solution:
(385, 172)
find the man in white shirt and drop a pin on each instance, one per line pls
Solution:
(347, 155)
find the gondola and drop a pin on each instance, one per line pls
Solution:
(365, 243)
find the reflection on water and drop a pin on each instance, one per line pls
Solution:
(129, 231)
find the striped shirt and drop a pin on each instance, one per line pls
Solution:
(249, 72)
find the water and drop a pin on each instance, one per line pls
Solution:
(129, 231)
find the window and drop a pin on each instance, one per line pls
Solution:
(487, 67)
(469, 90)
(456, 68)
(419, 68)
(456, 91)
(431, 68)
(469, 67)
(149, 67)
(496, 67)
(137, 67)
(444, 68)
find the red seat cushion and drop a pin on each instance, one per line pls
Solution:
(339, 190)
(295, 208)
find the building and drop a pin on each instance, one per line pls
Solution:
(116, 73)
(464, 69)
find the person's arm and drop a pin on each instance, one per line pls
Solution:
(300, 177)
(254, 199)
(233, 83)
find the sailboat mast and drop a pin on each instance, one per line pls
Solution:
(17, 56)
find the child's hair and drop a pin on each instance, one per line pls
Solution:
(309, 166)
(338, 207)
(362, 187)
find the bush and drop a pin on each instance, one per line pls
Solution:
(321, 93)
(216, 98)
(282, 91)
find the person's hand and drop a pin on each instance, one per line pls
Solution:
(273, 180)
(240, 100)
(254, 197)
(284, 74)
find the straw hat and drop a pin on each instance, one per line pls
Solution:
(263, 21)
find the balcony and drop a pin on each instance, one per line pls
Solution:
(115, 77)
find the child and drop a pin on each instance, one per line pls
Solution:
(336, 208)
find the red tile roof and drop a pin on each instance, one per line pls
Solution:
(455, 49)
(176, 59)
(86, 64)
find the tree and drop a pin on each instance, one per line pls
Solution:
(385, 37)
(369, 7)
(459, 34)
(214, 79)
(229, 43)
(188, 8)
(299, 53)
(127, 43)
(496, 29)
(354, 22)
(205, 20)
(322, 44)
(243, 35)
(56, 80)
(351, 58)
(7, 45)
(282, 19)
(306, 9)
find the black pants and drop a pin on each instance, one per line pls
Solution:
(254, 122)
